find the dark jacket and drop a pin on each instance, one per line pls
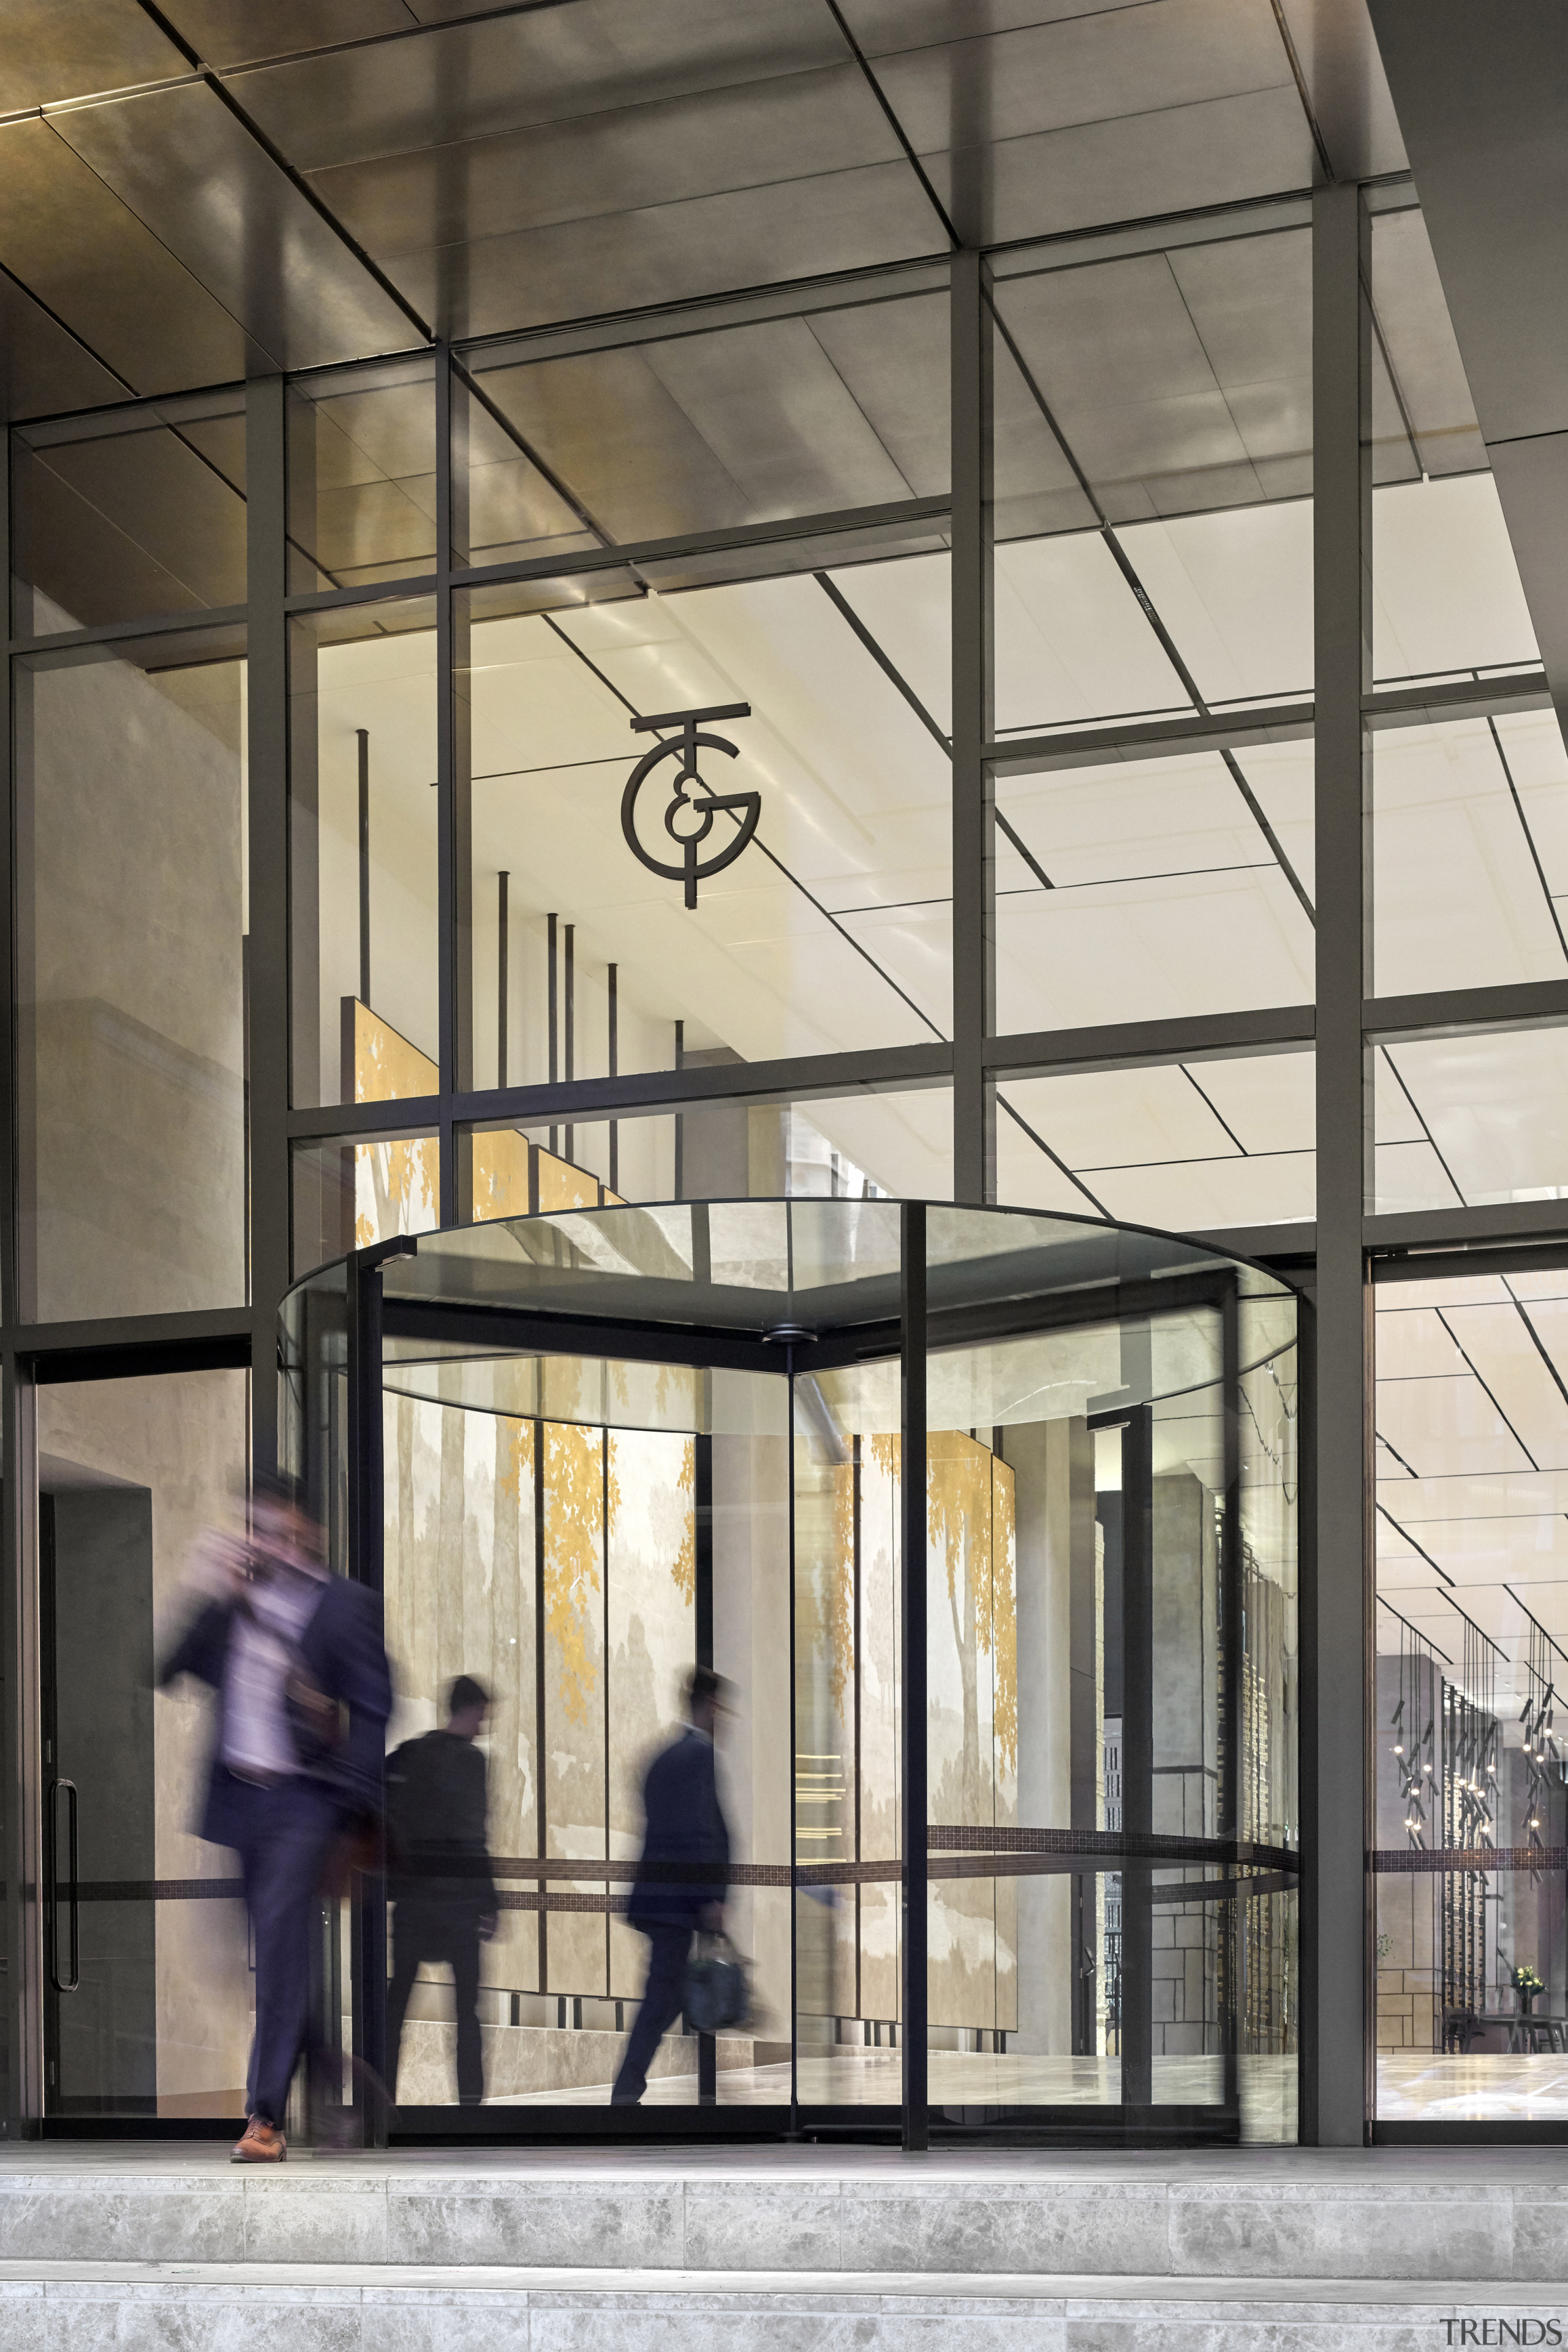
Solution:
(343, 1649)
(437, 1806)
(686, 1848)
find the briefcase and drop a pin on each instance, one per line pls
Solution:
(717, 1991)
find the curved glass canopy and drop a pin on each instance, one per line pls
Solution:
(1010, 1768)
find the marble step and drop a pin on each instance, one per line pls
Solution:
(1380, 2217)
(217, 2308)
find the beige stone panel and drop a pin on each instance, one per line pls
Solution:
(1185, 1658)
(880, 1779)
(182, 1438)
(575, 1713)
(652, 1592)
(130, 1047)
(961, 1971)
(751, 1605)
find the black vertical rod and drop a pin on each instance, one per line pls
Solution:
(366, 1566)
(569, 1023)
(612, 974)
(1232, 1915)
(679, 1122)
(503, 943)
(1336, 1582)
(362, 738)
(552, 1009)
(702, 1534)
(912, 1615)
(1137, 1755)
(271, 949)
(974, 705)
(454, 859)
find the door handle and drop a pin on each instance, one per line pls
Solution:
(66, 1983)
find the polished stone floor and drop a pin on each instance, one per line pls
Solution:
(1427, 2086)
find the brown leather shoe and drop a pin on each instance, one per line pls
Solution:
(259, 2143)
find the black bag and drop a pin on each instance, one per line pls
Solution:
(717, 1991)
(315, 1721)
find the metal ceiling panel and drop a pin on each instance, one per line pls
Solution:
(1408, 295)
(671, 253)
(55, 49)
(44, 371)
(1482, 95)
(780, 130)
(537, 64)
(188, 168)
(893, 356)
(236, 32)
(1346, 86)
(1226, 151)
(1131, 62)
(69, 239)
(882, 26)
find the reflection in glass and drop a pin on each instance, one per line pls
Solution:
(1134, 888)
(1469, 827)
(700, 429)
(362, 852)
(1472, 1119)
(830, 931)
(352, 1190)
(132, 814)
(1471, 1841)
(135, 512)
(1194, 1146)
(158, 2022)
(362, 475)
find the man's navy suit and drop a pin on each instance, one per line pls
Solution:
(284, 1832)
(685, 1867)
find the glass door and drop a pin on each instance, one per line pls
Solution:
(147, 2003)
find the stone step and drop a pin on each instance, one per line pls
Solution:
(147, 2306)
(1378, 2216)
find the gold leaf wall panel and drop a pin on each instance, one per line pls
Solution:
(575, 1724)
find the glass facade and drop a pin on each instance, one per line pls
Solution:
(1059, 724)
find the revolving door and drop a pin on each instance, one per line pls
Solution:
(1009, 1765)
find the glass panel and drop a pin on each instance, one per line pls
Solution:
(831, 927)
(1472, 1119)
(707, 427)
(350, 1191)
(1472, 1819)
(1111, 1736)
(1469, 830)
(137, 512)
(130, 971)
(363, 846)
(577, 1535)
(1192, 1147)
(158, 2022)
(1448, 600)
(853, 1147)
(1139, 888)
(362, 475)
(847, 1733)
(1167, 395)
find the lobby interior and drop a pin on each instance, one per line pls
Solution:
(1101, 473)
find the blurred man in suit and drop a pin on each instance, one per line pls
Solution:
(683, 1876)
(296, 1659)
(437, 1806)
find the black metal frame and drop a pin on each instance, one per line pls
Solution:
(972, 1060)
